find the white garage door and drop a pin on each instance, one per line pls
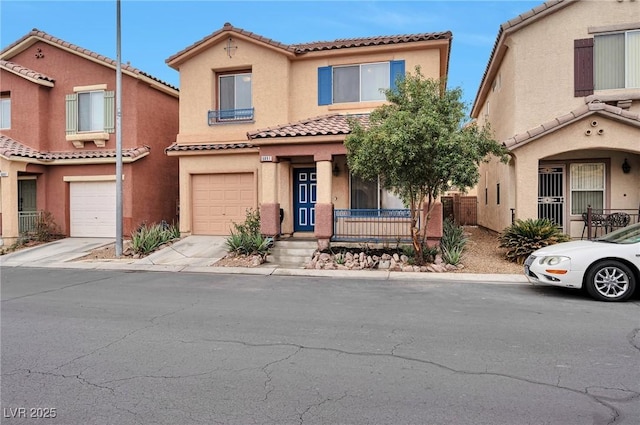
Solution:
(93, 209)
(219, 200)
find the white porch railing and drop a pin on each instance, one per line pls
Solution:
(27, 221)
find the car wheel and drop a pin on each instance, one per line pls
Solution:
(610, 281)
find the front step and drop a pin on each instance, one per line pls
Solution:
(292, 253)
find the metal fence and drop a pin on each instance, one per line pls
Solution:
(372, 225)
(599, 222)
(28, 221)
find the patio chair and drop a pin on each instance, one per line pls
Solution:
(597, 221)
(617, 220)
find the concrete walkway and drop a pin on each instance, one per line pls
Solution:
(196, 254)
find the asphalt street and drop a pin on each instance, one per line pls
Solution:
(115, 347)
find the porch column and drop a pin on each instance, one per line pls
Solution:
(285, 189)
(9, 203)
(269, 207)
(324, 207)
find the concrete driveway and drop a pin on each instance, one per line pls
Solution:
(192, 251)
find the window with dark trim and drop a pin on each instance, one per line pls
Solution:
(358, 82)
(498, 194)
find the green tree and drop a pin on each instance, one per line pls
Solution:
(419, 145)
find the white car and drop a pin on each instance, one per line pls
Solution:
(609, 267)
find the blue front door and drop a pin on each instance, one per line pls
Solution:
(304, 199)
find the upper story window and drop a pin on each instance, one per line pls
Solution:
(5, 111)
(617, 60)
(360, 83)
(91, 111)
(357, 83)
(234, 98)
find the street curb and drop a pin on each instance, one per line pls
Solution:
(277, 271)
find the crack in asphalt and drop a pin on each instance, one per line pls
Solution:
(79, 377)
(267, 382)
(317, 405)
(152, 324)
(614, 413)
(56, 289)
(634, 338)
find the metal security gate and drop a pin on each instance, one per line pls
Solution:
(551, 194)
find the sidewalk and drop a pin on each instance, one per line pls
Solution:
(196, 254)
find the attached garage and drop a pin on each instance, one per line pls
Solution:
(219, 200)
(93, 209)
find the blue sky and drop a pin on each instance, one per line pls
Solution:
(154, 30)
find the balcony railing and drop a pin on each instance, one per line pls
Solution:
(230, 115)
(28, 221)
(372, 225)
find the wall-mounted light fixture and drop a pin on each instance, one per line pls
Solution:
(626, 168)
(336, 170)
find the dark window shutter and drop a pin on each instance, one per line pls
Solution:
(324, 85)
(396, 70)
(583, 67)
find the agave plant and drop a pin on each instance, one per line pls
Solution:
(525, 236)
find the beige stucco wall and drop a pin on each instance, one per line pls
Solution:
(537, 85)
(566, 145)
(537, 78)
(284, 88)
(270, 90)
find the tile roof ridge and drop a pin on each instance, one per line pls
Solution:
(23, 70)
(35, 32)
(565, 119)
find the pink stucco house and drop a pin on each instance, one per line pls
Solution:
(57, 140)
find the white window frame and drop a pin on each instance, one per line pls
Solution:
(572, 190)
(626, 65)
(5, 107)
(360, 65)
(97, 126)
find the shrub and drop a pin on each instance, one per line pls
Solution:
(428, 253)
(246, 238)
(525, 236)
(452, 255)
(453, 242)
(147, 239)
(46, 228)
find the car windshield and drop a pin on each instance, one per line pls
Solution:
(626, 235)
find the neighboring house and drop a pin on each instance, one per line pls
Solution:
(562, 92)
(262, 126)
(57, 140)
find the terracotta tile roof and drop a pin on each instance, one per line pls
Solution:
(318, 45)
(334, 124)
(513, 25)
(575, 115)
(370, 41)
(12, 148)
(19, 69)
(206, 147)
(36, 33)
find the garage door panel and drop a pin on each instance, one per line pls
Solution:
(92, 209)
(219, 200)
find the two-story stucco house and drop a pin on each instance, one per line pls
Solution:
(262, 126)
(562, 92)
(57, 140)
